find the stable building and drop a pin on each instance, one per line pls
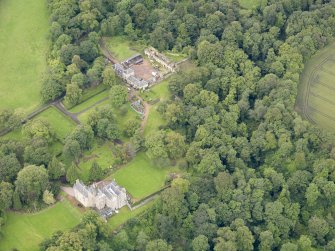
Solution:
(155, 55)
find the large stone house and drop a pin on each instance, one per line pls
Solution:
(128, 75)
(100, 195)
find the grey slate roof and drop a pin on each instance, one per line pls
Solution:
(109, 189)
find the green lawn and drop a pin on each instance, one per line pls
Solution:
(121, 48)
(103, 155)
(23, 45)
(125, 214)
(141, 177)
(155, 118)
(160, 90)
(26, 231)
(317, 89)
(62, 124)
(86, 104)
(13, 135)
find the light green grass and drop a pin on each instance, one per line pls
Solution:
(13, 135)
(175, 57)
(122, 48)
(160, 90)
(249, 4)
(26, 231)
(23, 46)
(141, 177)
(88, 103)
(155, 118)
(155, 121)
(62, 124)
(319, 108)
(103, 155)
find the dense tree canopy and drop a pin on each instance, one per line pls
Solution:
(256, 175)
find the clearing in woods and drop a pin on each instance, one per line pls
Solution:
(23, 46)
(316, 95)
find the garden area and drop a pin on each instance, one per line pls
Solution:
(159, 92)
(24, 231)
(23, 46)
(60, 123)
(121, 48)
(141, 177)
(103, 155)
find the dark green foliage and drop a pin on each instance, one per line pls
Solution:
(56, 169)
(87, 235)
(103, 123)
(37, 152)
(118, 95)
(96, 172)
(71, 149)
(9, 167)
(131, 127)
(31, 182)
(6, 196)
(17, 204)
(72, 174)
(260, 177)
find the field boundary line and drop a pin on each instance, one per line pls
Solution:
(322, 98)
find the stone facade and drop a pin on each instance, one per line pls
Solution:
(155, 55)
(128, 75)
(100, 195)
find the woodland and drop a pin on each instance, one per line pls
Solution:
(257, 176)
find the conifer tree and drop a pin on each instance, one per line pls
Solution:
(72, 174)
(56, 169)
(96, 172)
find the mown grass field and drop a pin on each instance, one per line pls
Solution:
(23, 46)
(121, 48)
(141, 177)
(25, 231)
(62, 124)
(316, 96)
